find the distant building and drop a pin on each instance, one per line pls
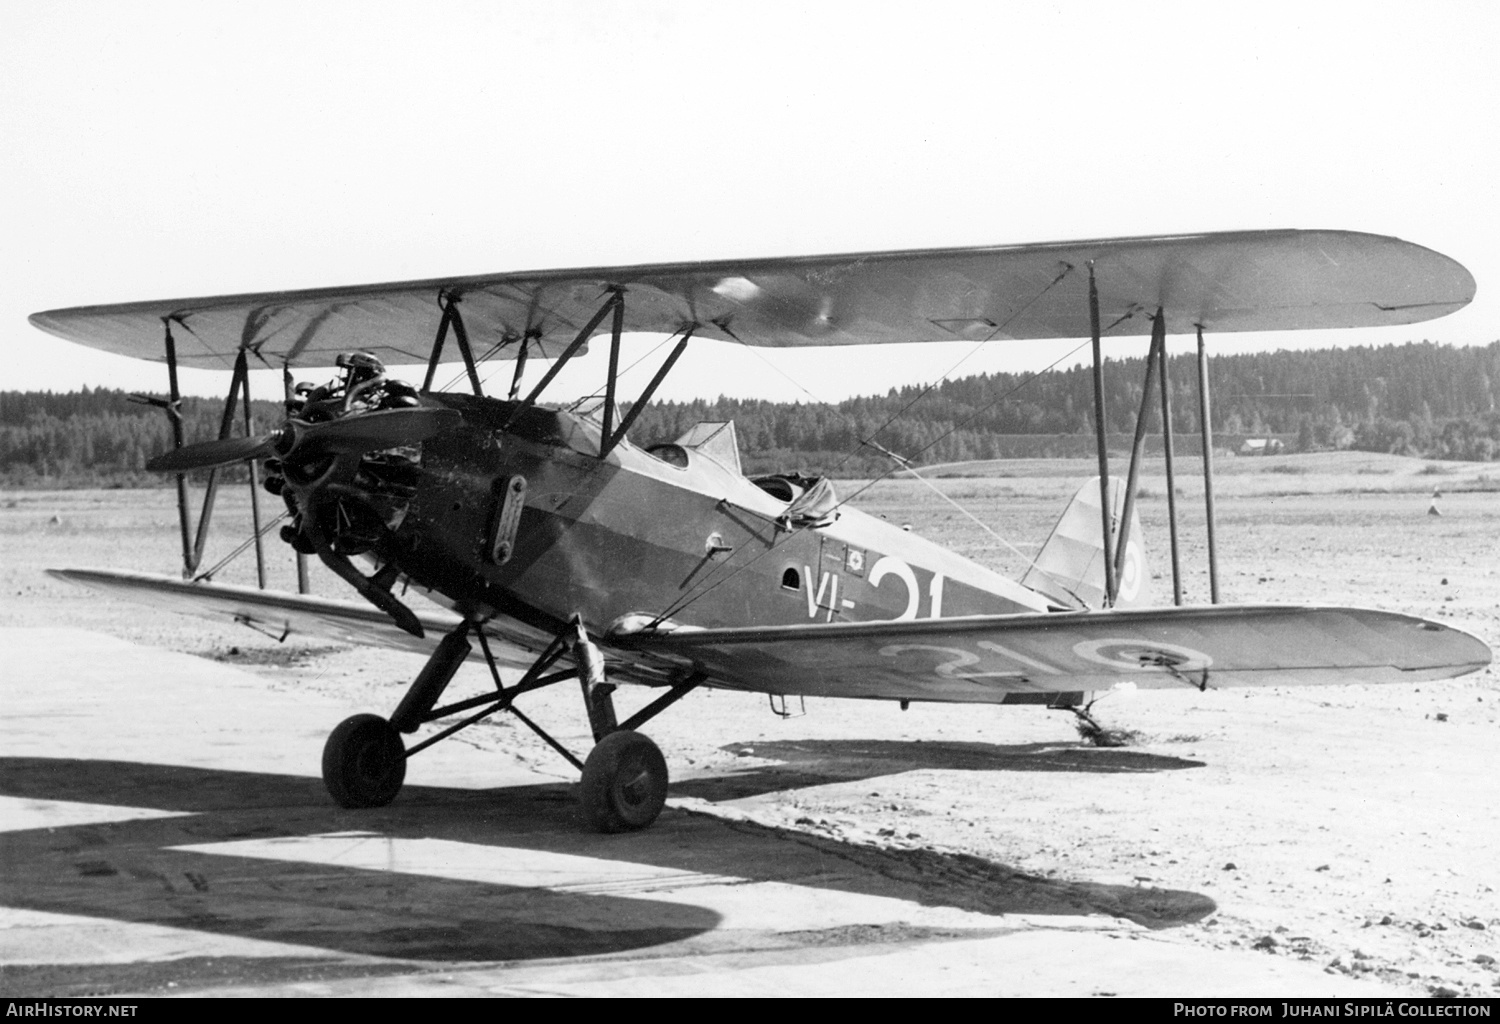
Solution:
(1261, 446)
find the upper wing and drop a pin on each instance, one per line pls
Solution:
(1241, 281)
(982, 659)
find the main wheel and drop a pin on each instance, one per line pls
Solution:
(364, 762)
(624, 783)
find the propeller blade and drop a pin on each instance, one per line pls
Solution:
(372, 431)
(350, 435)
(208, 454)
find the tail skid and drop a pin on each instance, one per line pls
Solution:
(1070, 567)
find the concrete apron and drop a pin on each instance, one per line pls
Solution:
(163, 829)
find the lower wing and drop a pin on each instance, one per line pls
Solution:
(1031, 658)
(281, 615)
(977, 659)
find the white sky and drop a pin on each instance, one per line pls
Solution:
(172, 149)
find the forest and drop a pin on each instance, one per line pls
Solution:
(1421, 398)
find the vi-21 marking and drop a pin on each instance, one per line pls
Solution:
(886, 565)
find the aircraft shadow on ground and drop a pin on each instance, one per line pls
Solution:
(129, 870)
(805, 763)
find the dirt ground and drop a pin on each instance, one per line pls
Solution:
(1350, 827)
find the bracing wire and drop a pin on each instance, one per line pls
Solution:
(578, 403)
(906, 465)
(1030, 562)
(788, 377)
(902, 463)
(689, 599)
(210, 573)
(966, 420)
(1066, 270)
(693, 597)
(464, 372)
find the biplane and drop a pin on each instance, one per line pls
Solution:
(565, 552)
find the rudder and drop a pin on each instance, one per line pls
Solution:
(1069, 569)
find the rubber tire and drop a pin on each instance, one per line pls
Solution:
(364, 762)
(624, 783)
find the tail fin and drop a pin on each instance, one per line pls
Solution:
(1070, 567)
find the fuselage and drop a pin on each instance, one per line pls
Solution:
(672, 538)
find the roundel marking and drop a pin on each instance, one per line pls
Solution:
(891, 566)
(1130, 579)
(1134, 655)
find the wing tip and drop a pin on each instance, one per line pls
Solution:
(46, 321)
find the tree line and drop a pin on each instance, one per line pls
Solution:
(101, 438)
(1423, 399)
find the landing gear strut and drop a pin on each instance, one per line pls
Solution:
(624, 778)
